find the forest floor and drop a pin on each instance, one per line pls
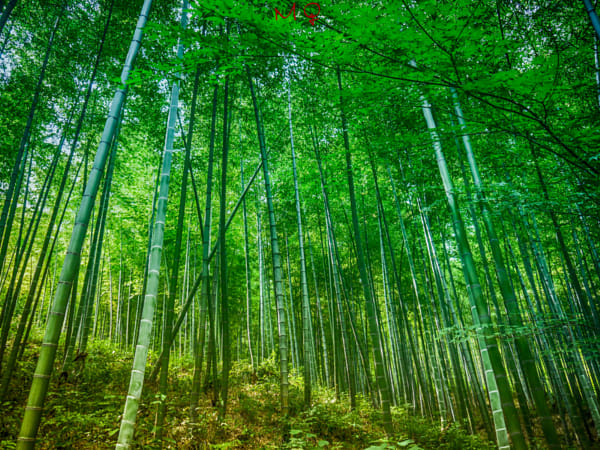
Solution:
(83, 412)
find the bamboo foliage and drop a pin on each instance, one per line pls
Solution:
(462, 289)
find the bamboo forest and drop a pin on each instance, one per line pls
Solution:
(265, 224)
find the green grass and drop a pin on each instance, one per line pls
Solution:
(83, 412)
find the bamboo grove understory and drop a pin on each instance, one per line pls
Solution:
(395, 200)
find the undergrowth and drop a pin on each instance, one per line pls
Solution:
(84, 410)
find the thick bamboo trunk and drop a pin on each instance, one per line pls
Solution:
(43, 370)
(174, 275)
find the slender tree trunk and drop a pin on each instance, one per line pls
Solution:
(382, 382)
(276, 255)
(70, 341)
(291, 312)
(12, 195)
(204, 293)
(7, 374)
(222, 248)
(139, 363)
(306, 319)
(87, 301)
(501, 399)
(189, 296)
(261, 300)
(169, 313)
(47, 267)
(339, 332)
(324, 350)
(247, 271)
(510, 301)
